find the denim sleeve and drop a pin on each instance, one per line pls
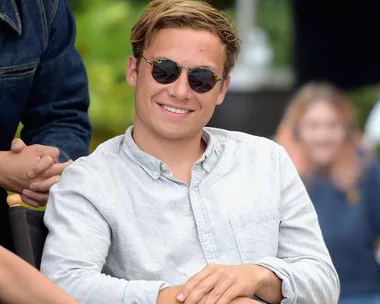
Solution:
(57, 107)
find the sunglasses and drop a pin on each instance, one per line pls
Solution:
(166, 71)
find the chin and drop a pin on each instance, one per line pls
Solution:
(175, 132)
(173, 135)
(323, 161)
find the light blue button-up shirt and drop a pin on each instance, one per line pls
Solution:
(121, 227)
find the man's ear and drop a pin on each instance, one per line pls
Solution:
(223, 91)
(132, 71)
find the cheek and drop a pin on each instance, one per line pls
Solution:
(207, 105)
(148, 88)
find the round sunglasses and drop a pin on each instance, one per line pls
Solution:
(166, 71)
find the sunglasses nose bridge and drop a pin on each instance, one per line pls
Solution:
(180, 87)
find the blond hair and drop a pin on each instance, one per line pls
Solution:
(347, 168)
(161, 14)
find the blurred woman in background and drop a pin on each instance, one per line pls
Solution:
(343, 182)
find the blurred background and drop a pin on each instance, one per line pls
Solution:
(285, 44)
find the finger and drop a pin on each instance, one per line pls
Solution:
(203, 300)
(30, 201)
(230, 293)
(243, 300)
(45, 185)
(47, 150)
(203, 288)
(193, 281)
(35, 198)
(17, 145)
(43, 164)
(220, 293)
(57, 169)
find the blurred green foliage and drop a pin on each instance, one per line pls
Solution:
(103, 33)
(276, 20)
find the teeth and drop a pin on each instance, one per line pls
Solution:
(176, 111)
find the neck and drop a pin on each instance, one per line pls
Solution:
(178, 154)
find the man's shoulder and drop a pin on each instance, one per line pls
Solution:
(244, 141)
(103, 156)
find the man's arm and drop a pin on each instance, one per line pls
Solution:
(56, 112)
(303, 262)
(20, 283)
(79, 239)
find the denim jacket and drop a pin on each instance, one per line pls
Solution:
(43, 83)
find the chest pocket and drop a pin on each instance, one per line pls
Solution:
(18, 71)
(256, 234)
(15, 84)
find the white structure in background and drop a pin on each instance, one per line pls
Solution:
(372, 126)
(253, 69)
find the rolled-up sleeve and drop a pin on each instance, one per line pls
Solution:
(78, 241)
(303, 262)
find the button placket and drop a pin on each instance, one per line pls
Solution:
(203, 227)
(163, 167)
(206, 167)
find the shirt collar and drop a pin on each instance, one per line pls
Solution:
(154, 166)
(9, 14)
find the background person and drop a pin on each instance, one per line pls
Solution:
(343, 181)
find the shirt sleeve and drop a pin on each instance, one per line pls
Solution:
(78, 241)
(303, 262)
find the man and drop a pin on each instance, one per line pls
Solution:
(173, 212)
(43, 84)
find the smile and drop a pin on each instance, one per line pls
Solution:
(174, 110)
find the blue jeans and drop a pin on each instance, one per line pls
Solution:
(373, 299)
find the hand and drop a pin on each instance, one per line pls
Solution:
(14, 169)
(168, 295)
(222, 284)
(244, 300)
(34, 173)
(38, 192)
(49, 156)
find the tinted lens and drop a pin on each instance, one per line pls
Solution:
(201, 80)
(165, 71)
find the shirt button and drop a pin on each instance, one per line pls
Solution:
(163, 167)
(206, 167)
(155, 173)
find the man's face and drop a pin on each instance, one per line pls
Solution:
(157, 103)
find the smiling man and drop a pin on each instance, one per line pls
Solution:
(173, 211)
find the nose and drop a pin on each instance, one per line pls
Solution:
(180, 88)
